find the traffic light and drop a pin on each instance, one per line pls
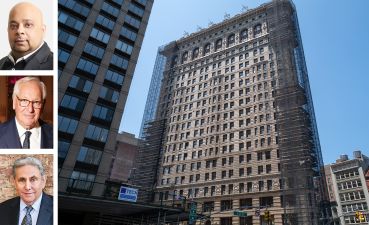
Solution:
(361, 217)
(357, 216)
(266, 215)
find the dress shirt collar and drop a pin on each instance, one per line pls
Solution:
(35, 136)
(24, 57)
(36, 205)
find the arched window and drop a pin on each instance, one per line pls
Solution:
(244, 35)
(230, 40)
(184, 57)
(218, 44)
(206, 49)
(257, 30)
(195, 53)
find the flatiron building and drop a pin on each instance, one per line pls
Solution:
(238, 130)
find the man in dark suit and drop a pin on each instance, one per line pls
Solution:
(26, 33)
(27, 130)
(32, 204)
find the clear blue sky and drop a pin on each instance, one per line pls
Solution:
(335, 35)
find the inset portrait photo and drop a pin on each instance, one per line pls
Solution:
(26, 112)
(26, 35)
(26, 189)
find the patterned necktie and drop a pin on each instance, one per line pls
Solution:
(27, 219)
(26, 139)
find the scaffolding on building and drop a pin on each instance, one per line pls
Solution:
(148, 160)
(302, 173)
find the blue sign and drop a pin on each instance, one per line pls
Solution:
(128, 194)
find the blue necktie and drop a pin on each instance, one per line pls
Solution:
(27, 219)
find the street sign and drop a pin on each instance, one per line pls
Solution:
(128, 194)
(240, 213)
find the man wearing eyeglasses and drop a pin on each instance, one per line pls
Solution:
(27, 130)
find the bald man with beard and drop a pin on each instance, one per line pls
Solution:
(26, 32)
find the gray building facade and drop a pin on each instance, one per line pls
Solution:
(99, 43)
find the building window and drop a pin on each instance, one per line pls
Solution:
(109, 94)
(142, 2)
(206, 49)
(249, 171)
(80, 84)
(241, 187)
(126, 32)
(63, 148)
(100, 35)
(230, 40)
(268, 168)
(132, 21)
(244, 35)
(94, 50)
(70, 21)
(226, 205)
(103, 113)
(249, 186)
(87, 66)
(195, 53)
(67, 125)
(245, 203)
(76, 7)
(208, 206)
(257, 30)
(73, 103)
(136, 10)
(114, 77)
(81, 181)
(261, 185)
(67, 38)
(213, 175)
(89, 155)
(260, 169)
(269, 185)
(110, 9)
(63, 55)
(119, 61)
(218, 44)
(224, 174)
(96, 133)
(124, 47)
(266, 201)
(242, 172)
(105, 22)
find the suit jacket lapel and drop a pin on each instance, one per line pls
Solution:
(14, 213)
(13, 136)
(45, 217)
(39, 57)
(46, 136)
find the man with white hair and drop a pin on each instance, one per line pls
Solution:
(26, 129)
(32, 206)
(26, 31)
